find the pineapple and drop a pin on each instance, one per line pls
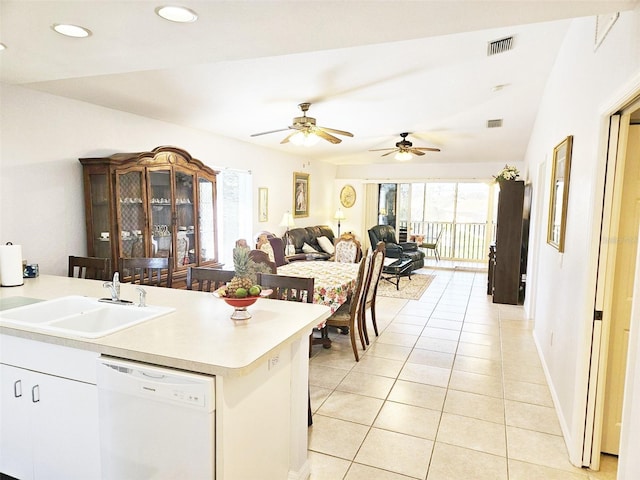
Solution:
(242, 265)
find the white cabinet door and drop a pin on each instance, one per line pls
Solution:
(16, 455)
(53, 432)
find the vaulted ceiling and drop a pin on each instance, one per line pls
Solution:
(373, 68)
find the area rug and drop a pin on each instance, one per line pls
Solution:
(409, 289)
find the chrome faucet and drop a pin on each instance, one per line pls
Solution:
(114, 287)
(142, 299)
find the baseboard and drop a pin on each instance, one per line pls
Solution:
(303, 474)
(564, 426)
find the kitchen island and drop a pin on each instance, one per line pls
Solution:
(260, 369)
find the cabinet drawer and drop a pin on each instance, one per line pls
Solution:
(48, 358)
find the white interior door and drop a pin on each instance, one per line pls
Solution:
(622, 293)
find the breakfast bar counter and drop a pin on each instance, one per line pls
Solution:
(260, 368)
(198, 336)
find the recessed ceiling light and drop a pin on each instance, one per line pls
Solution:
(71, 30)
(177, 14)
(2, 46)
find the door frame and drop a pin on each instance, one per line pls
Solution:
(614, 133)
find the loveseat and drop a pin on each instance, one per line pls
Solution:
(395, 249)
(307, 244)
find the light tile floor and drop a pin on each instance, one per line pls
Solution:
(451, 389)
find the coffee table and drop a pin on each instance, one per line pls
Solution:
(396, 268)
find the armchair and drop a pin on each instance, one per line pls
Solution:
(395, 249)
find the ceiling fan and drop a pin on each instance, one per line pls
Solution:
(306, 131)
(404, 149)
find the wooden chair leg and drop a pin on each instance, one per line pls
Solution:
(373, 318)
(352, 334)
(362, 327)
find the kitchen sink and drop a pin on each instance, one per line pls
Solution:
(81, 316)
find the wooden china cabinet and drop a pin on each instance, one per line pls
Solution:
(160, 203)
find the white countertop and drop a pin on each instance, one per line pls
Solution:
(199, 336)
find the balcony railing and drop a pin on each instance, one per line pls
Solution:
(459, 241)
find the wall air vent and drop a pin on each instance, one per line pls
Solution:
(496, 123)
(499, 46)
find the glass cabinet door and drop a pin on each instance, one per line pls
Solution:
(130, 204)
(161, 224)
(206, 220)
(185, 217)
(100, 224)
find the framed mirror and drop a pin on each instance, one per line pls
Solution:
(559, 192)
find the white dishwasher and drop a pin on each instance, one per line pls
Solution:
(155, 423)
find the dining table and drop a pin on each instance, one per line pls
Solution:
(333, 284)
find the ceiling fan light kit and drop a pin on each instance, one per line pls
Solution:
(304, 138)
(403, 156)
(404, 149)
(306, 132)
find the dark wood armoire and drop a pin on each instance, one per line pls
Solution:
(510, 247)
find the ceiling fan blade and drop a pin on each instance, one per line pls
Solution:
(330, 138)
(333, 130)
(270, 131)
(382, 149)
(427, 149)
(415, 151)
(388, 153)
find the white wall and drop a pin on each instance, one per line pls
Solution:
(359, 176)
(41, 195)
(582, 84)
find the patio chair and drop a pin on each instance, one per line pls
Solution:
(433, 245)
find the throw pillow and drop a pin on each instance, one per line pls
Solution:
(306, 248)
(326, 245)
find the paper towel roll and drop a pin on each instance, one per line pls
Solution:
(11, 265)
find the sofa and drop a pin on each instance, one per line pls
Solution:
(307, 244)
(394, 248)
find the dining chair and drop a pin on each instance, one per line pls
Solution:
(347, 250)
(377, 262)
(277, 246)
(263, 264)
(154, 271)
(291, 289)
(92, 268)
(351, 314)
(207, 279)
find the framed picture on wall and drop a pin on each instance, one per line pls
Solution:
(300, 194)
(559, 197)
(263, 204)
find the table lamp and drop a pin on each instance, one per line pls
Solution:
(339, 216)
(287, 221)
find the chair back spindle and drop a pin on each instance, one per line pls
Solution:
(154, 271)
(92, 268)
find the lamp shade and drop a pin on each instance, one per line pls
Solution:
(304, 138)
(403, 156)
(339, 215)
(287, 220)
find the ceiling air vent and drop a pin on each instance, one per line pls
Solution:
(499, 46)
(497, 123)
